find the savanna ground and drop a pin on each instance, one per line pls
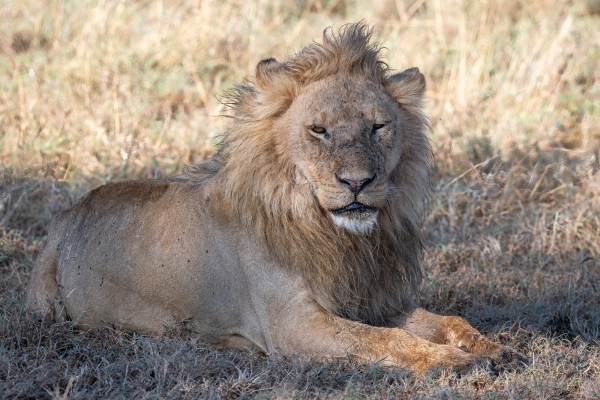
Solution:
(94, 91)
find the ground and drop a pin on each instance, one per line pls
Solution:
(92, 92)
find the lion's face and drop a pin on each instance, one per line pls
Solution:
(345, 138)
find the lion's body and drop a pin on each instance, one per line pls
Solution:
(301, 236)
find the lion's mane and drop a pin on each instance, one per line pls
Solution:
(363, 278)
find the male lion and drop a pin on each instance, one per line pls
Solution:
(302, 235)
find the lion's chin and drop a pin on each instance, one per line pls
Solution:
(356, 218)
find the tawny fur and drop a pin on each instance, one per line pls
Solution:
(302, 235)
(370, 278)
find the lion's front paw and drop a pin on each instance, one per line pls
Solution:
(466, 363)
(477, 364)
(507, 358)
(502, 357)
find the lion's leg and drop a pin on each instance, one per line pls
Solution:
(316, 332)
(43, 296)
(455, 331)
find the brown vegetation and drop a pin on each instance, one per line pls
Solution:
(97, 92)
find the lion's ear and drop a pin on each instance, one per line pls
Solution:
(277, 88)
(407, 87)
(268, 72)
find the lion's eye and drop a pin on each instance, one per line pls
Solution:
(318, 129)
(378, 126)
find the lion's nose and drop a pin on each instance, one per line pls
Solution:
(356, 185)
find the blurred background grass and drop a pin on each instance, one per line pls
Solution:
(101, 90)
(94, 91)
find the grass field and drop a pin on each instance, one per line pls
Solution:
(97, 91)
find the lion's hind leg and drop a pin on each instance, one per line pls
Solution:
(43, 295)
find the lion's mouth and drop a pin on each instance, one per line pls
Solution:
(356, 210)
(356, 218)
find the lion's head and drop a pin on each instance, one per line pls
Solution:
(328, 159)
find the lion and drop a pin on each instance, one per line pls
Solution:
(302, 235)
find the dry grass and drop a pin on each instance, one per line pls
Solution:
(102, 90)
